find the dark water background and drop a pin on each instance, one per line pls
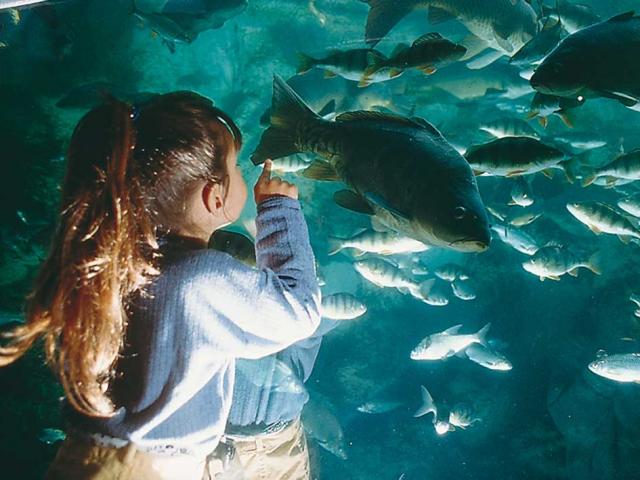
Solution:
(549, 418)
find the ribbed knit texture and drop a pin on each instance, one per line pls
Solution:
(207, 309)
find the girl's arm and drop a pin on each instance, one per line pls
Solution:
(249, 313)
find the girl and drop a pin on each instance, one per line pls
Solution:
(141, 322)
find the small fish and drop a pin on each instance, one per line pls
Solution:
(521, 194)
(487, 357)
(427, 53)
(512, 156)
(270, 373)
(443, 427)
(376, 407)
(601, 218)
(461, 416)
(463, 290)
(509, 127)
(290, 164)
(451, 272)
(447, 343)
(362, 65)
(372, 241)
(625, 166)
(553, 262)
(51, 435)
(433, 292)
(543, 106)
(342, 306)
(573, 16)
(516, 238)
(384, 274)
(522, 219)
(321, 424)
(630, 205)
(619, 367)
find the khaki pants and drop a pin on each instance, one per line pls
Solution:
(278, 456)
(80, 459)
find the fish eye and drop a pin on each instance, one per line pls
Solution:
(459, 212)
(580, 98)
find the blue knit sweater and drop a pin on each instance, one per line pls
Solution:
(205, 310)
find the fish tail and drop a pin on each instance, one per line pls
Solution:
(427, 404)
(288, 110)
(594, 263)
(384, 15)
(305, 63)
(482, 334)
(335, 245)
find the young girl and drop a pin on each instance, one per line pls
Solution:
(141, 322)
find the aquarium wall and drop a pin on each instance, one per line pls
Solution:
(470, 186)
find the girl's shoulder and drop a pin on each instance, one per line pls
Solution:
(197, 262)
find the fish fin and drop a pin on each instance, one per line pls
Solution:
(394, 72)
(625, 239)
(439, 15)
(378, 226)
(330, 74)
(427, 69)
(335, 245)
(554, 277)
(611, 181)
(595, 263)
(452, 330)
(477, 173)
(366, 115)
(566, 119)
(623, 17)
(378, 200)
(573, 273)
(543, 121)
(484, 60)
(364, 82)
(427, 38)
(481, 335)
(321, 170)
(305, 63)
(427, 404)
(474, 46)
(594, 229)
(383, 16)
(328, 109)
(287, 111)
(542, 278)
(515, 173)
(512, 203)
(352, 201)
(589, 180)
(548, 173)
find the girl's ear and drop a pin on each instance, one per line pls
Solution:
(212, 197)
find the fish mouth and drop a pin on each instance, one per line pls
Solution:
(469, 244)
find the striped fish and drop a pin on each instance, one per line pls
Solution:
(601, 218)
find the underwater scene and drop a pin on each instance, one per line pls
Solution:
(469, 171)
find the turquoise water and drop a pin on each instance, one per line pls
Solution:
(547, 418)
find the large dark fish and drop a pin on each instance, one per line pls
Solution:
(504, 25)
(235, 244)
(400, 169)
(598, 61)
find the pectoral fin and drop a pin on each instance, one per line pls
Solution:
(321, 170)
(352, 201)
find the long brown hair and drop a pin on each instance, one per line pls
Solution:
(129, 170)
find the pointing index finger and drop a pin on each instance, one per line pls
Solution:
(266, 171)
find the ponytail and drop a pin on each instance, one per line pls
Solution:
(102, 252)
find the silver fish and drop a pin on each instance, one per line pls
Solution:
(601, 218)
(487, 357)
(447, 343)
(372, 241)
(342, 306)
(623, 367)
(516, 238)
(553, 262)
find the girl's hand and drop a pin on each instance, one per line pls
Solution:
(267, 187)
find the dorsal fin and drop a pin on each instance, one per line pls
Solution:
(622, 17)
(427, 37)
(365, 115)
(453, 330)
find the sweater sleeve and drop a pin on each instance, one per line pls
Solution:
(250, 313)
